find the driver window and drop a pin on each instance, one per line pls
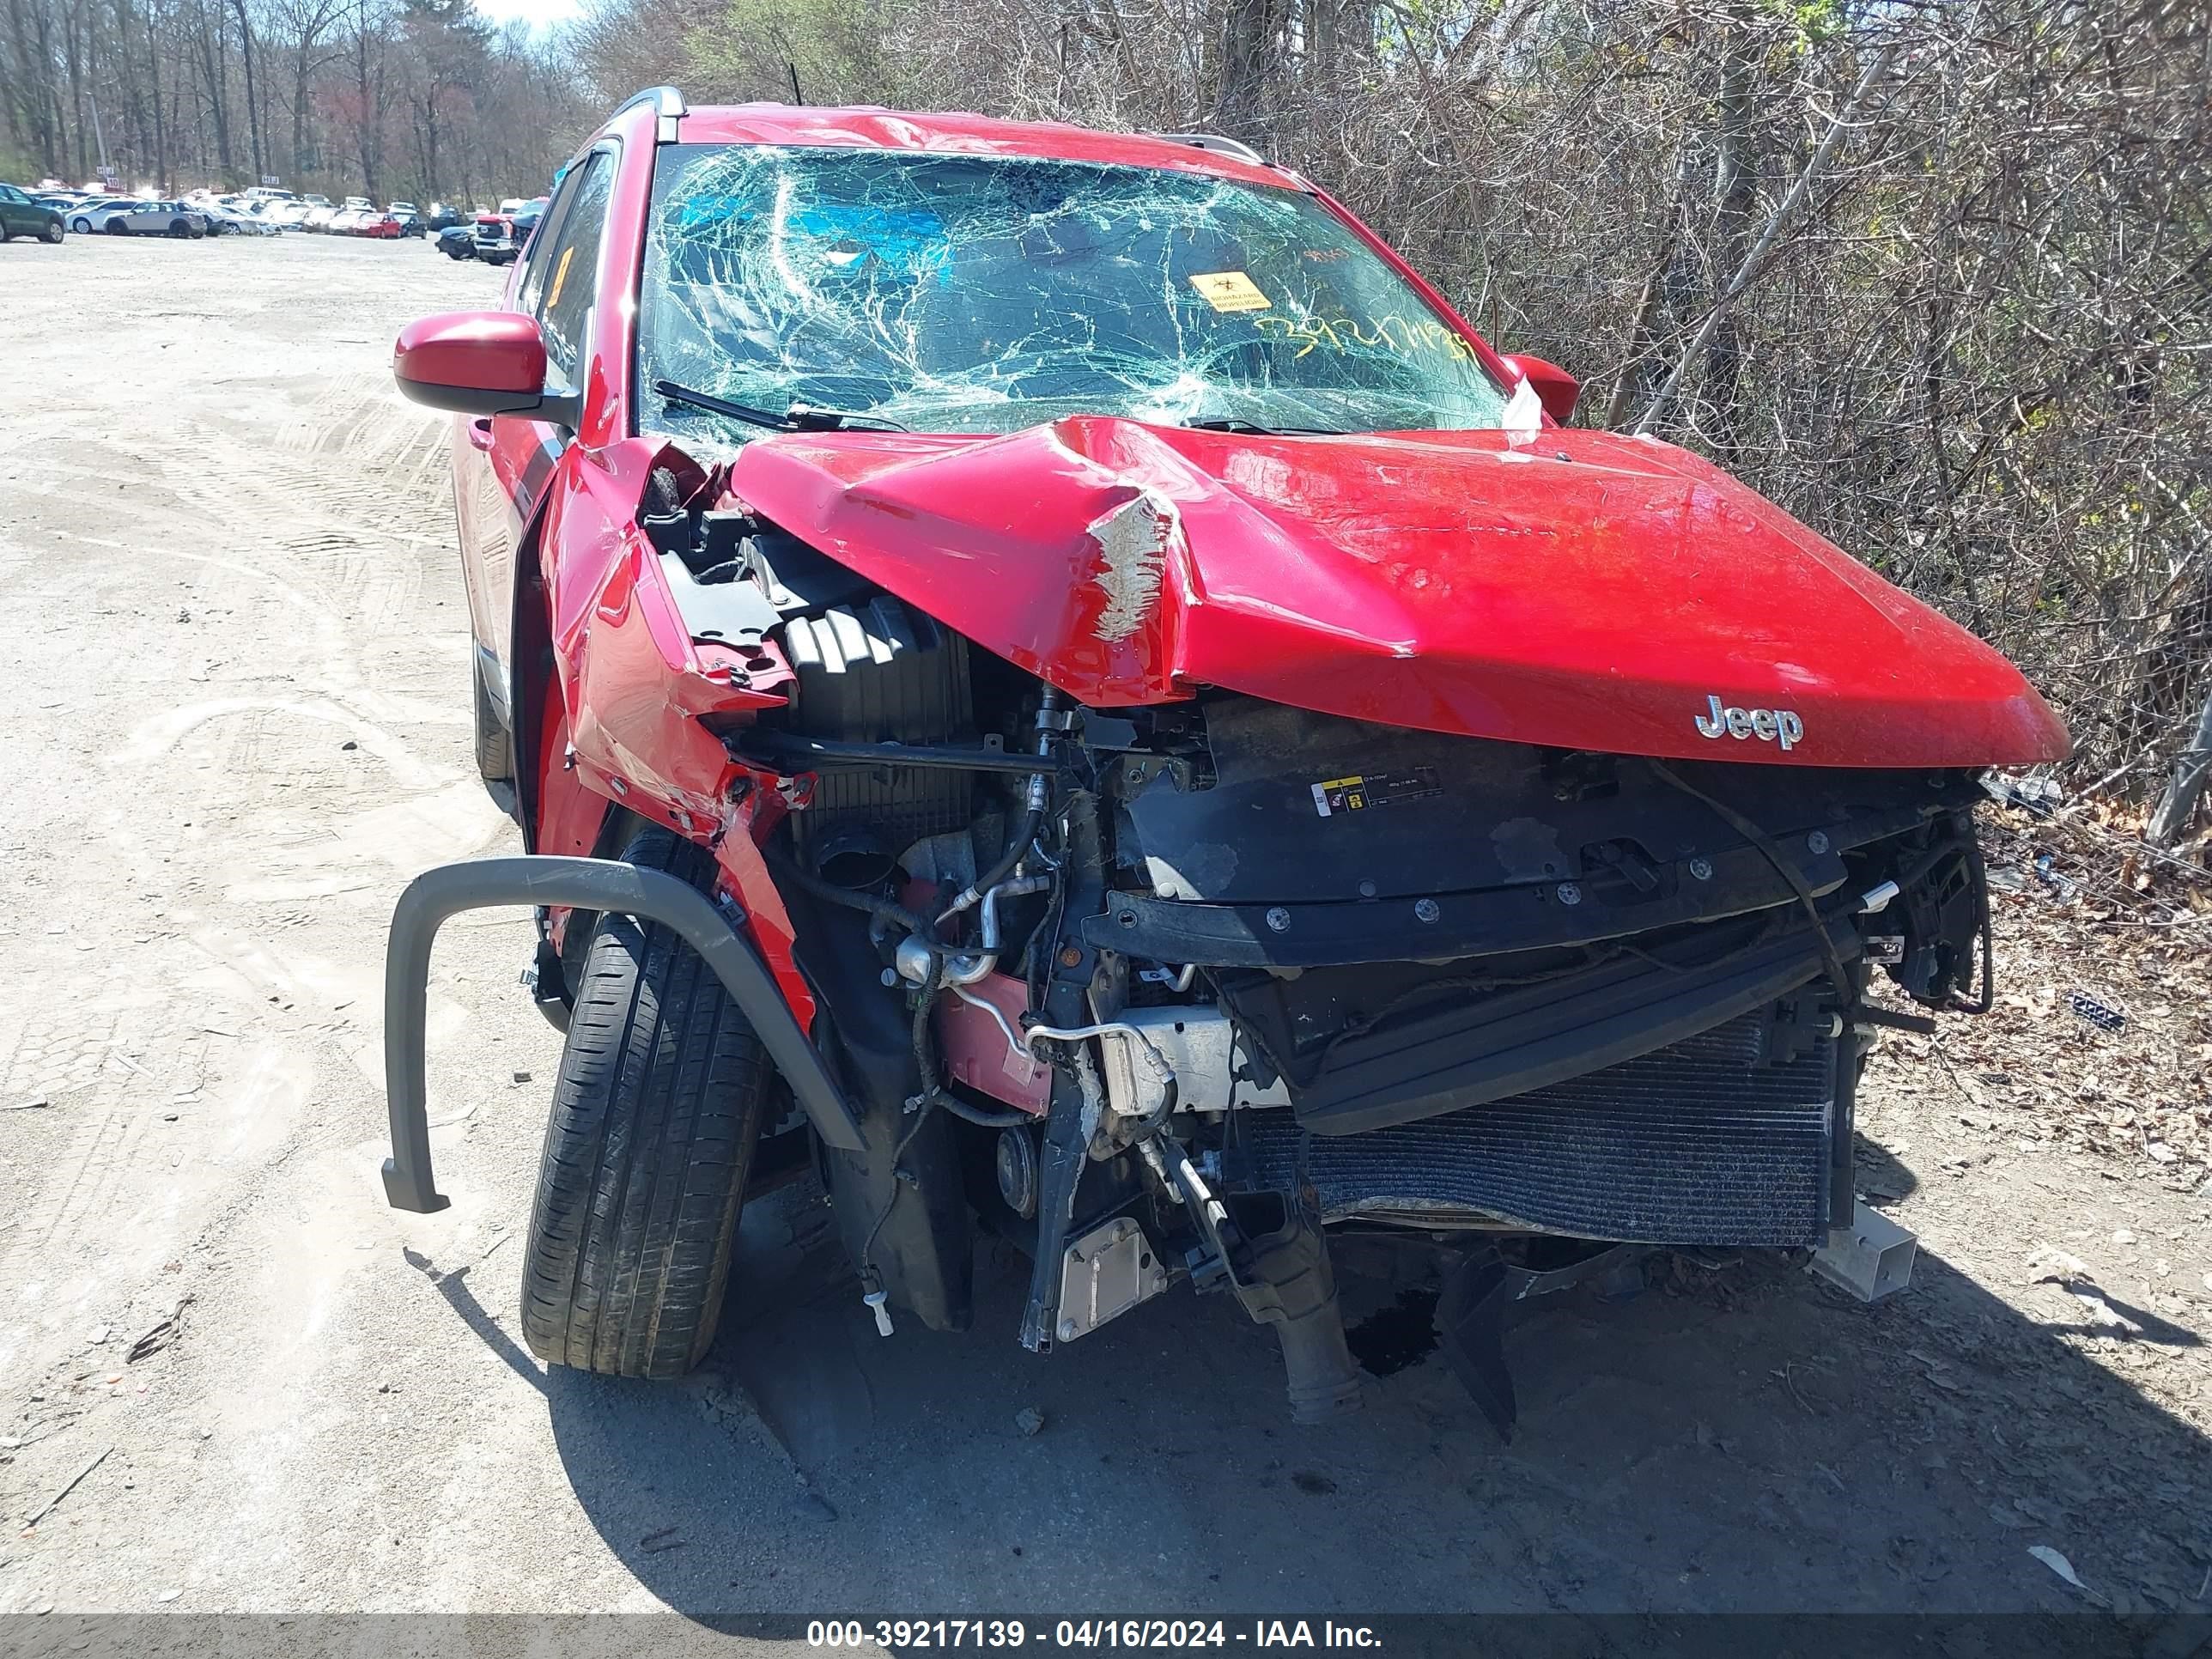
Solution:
(567, 268)
(533, 291)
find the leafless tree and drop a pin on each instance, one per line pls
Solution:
(1974, 353)
(418, 96)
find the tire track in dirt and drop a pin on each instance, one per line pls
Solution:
(281, 759)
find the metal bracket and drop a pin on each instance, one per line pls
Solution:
(598, 884)
(1103, 1274)
(1872, 1258)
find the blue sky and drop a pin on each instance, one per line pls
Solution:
(538, 14)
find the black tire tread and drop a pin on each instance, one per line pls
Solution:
(494, 742)
(656, 1111)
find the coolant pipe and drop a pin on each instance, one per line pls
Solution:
(1006, 1030)
(912, 957)
(968, 970)
(1170, 1085)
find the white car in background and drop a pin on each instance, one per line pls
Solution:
(319, 217)
(89, 214)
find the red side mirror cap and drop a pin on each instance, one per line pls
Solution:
(479, 363)
(1556, 389)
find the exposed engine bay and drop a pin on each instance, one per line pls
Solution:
(1179, 991)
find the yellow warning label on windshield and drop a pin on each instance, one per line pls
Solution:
(1230, 290)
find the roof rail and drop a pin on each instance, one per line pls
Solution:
(667, 102)
(1215, 141)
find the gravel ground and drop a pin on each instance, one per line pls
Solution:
(237, 722)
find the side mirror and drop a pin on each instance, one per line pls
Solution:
(1556, 389)
(479, 363)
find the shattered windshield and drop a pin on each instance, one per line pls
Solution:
(988, 294)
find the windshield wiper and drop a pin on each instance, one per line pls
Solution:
(1232, 423)
(799, 417)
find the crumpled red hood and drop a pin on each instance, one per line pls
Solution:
(1566, 587)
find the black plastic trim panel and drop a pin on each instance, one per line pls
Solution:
(1527, 917)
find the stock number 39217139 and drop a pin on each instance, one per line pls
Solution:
(1085, 1634)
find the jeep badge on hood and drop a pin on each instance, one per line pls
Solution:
(1779, 726)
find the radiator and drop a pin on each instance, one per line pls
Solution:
(1699, 1143)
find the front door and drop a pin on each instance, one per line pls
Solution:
(503, 468)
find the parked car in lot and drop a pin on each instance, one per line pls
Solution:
(347, 220)
(319, 217)
(441, 215)
(501, 237)
(225, 221)
(288, 216)
(89, 213)
(21, 216)
(408, 215)
(385, 225)
(1059, 675)
(141, 219)
(456, 241)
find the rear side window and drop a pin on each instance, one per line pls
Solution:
(568, 267)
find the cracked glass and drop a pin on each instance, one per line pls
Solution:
(988, 294)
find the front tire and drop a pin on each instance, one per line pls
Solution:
(656, 1111)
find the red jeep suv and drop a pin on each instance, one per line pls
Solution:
(1051, 683)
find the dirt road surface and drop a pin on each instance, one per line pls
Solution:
(235, 671)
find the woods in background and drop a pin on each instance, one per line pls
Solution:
(1975, 356)
(381, 97)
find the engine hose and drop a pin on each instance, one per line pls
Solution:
(1031, 820)
(1017, 844)
(933, 1092)
(882, 908)
(980, 1117)
(925, 1059)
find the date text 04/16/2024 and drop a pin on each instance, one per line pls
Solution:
(902, 1635)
